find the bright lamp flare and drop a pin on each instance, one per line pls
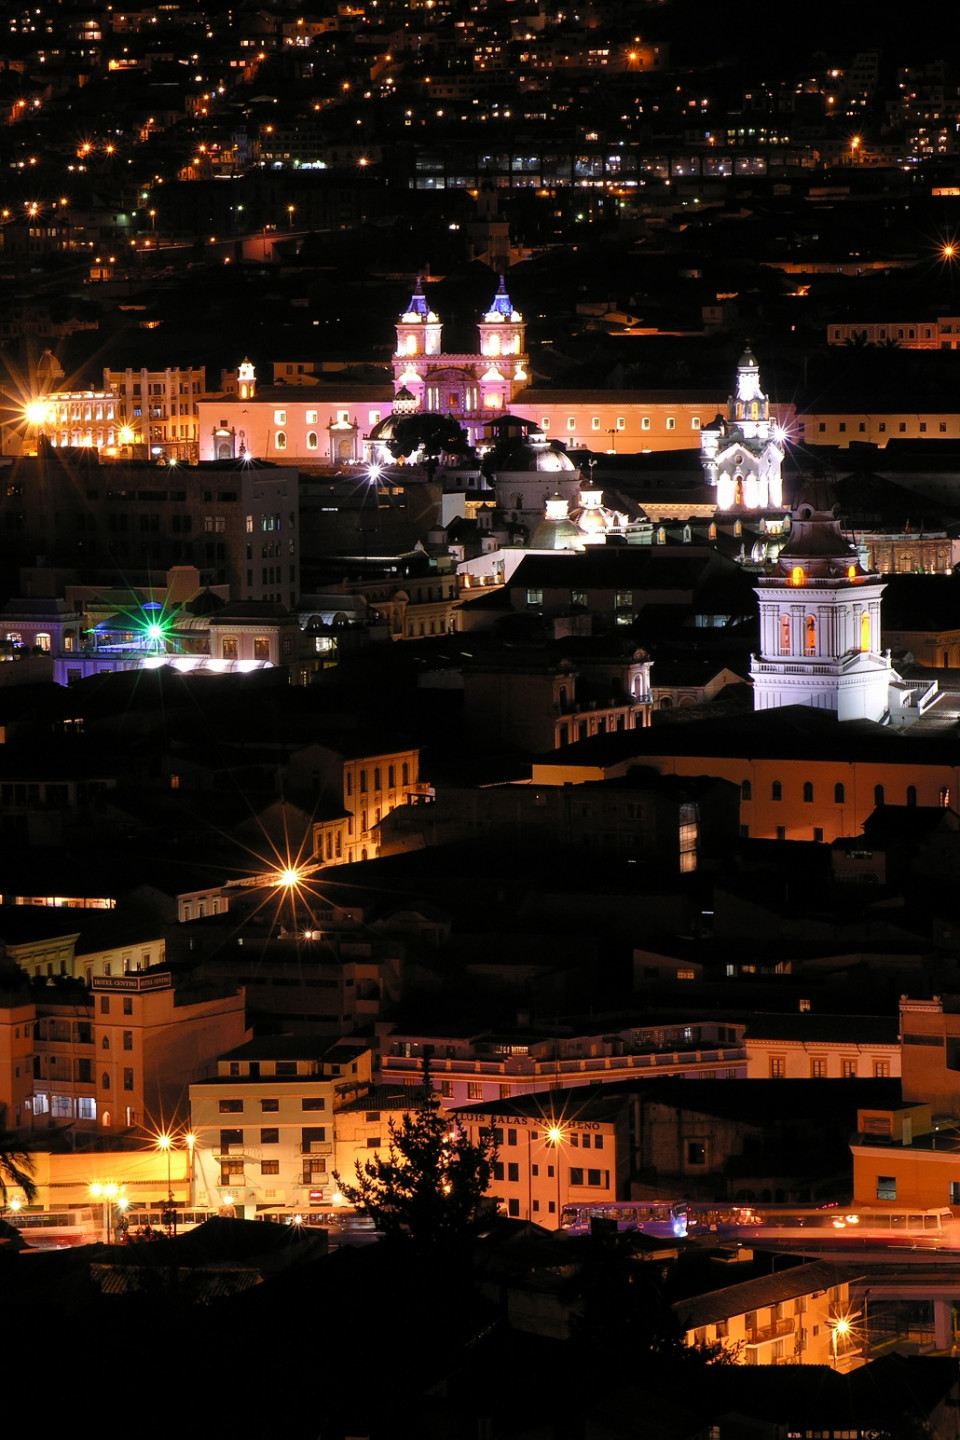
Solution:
(289, 877)
(36, 412)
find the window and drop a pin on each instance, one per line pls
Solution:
(784, 634)
(839, 794)
(281, 441)
(269, 1105)
(696, 1152)
(231, 1107)
(314, 1104)
(127, 1078)
(881, 1071)
(104, 1004)
(446, 1089)
(848, 1069)
(270, 1135)
(746, 790)
(571, 422)
(818, 1069)
(808, 792)
(810, 636)
(776, 790)
(671, 423)
(886, 1187)
(311, 439)
(474, 1090)
(269, 1167)
(279, 417)
(778, 1067)
(513, 1172)
(576, 1175)
(911, 794)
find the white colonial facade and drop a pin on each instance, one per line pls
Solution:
(820, 622)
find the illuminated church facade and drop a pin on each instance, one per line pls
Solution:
(472, 388)
(742, 453)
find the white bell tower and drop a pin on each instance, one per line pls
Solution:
(820, 621)
(742, 454)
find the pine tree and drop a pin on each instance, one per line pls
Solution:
(432, 1181)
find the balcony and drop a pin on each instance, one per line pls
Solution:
(762, 1334)
(317, 1147)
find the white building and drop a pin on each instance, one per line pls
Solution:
(742, 455)
(820, 621)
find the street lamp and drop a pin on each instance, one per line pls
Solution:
(555, 1137)
(108, 1195)
(839, 1328)
(165, 1144)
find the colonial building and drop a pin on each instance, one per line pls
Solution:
(742, 455)
(121, 1060)
(555, 1152)
(265, 1122)
(788, 1318)
(472, 388)
(820, 621)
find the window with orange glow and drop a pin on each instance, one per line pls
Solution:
(784, 634)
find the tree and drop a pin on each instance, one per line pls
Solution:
(436, 435)
(432, 1181)
(16, 1167)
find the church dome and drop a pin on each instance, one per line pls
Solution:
(592, 518)
(556, 531)
(815, 545)
(536, 453)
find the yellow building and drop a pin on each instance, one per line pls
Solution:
(372, 784)
(555, 1151)
(265, 1123)
(121, 1061)
(910, 1156)
(802, 1316)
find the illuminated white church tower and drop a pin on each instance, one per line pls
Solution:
(742, 455)
(820, 621)
(472, 388)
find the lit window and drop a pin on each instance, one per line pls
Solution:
(279, 417)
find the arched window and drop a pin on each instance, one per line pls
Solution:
(878, 794)
(865, 630)
(43, 642)
(839, 793)
(311, 439)
(808, 792)
(810, 635)
(776, 791)
(796, 575)
(911, 794)
(105, 1081)
(746, 790)
(281, 440)
(784, 634)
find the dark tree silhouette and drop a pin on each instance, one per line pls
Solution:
(16, 1167)
(432, 1182)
